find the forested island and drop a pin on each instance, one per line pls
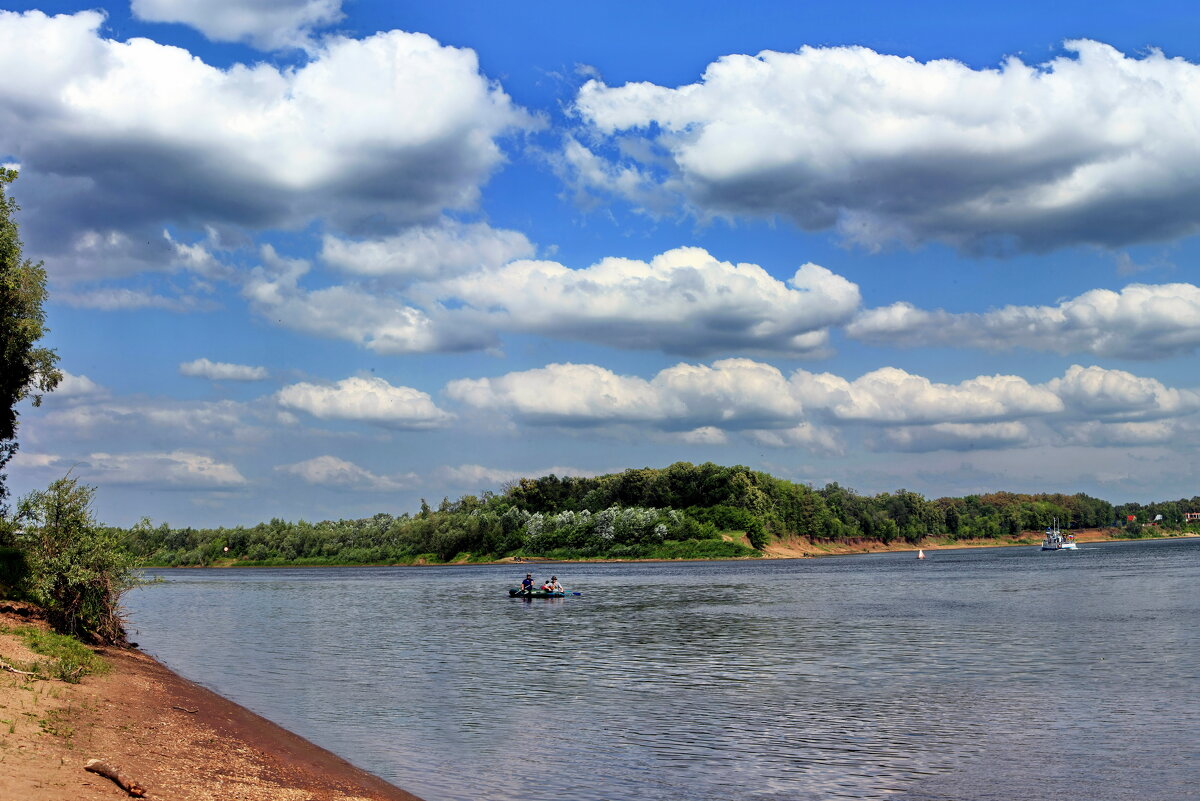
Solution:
(684, 511)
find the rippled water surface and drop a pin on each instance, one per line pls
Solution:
(1001, 673)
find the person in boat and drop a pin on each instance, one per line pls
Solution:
(553, 586)
(527, 584)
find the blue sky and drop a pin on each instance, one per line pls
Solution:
(319, 259)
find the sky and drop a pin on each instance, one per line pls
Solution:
(319, 259)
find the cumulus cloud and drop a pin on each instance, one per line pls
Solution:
(170, 470)
(745, 394)
(890, 409)
(1099, 393)
(380, 322)
(682, 301)
(77, 386)
(330, 471)
(1141, 321)
(368, 400)
(222, 371)
(563, 394)
(118, 138)
(425, 253)
(1090, 147)
(730, 394)
(893, 396)
(265, 24)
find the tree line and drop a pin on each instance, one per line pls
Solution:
(681, 511)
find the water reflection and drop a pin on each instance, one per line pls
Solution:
(977, 674)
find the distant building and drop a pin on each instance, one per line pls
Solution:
(1191, 517)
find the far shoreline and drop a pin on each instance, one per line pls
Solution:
(793, 548)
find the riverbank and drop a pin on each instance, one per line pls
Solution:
(167, 734)
(791, 548)
(799, 548)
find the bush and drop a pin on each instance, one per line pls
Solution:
(78, 571)
(13, 570)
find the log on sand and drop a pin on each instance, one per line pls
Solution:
(109, 772)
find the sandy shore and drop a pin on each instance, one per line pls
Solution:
(173, 737)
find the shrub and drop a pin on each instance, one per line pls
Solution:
(78, 571)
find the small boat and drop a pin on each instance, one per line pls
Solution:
(1056, 541)
(517, 592)
(920, 554)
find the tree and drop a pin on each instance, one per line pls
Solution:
(25, 370)
(78, 570)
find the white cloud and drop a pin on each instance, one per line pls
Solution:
(682, 301)
(1142, 321)
(368, 400)
(563, 394)
(377, 133)
(744, 394)
(1098, 393)
(266, 24)
(893, 396)
(169, 470)
(379, 322)
(330, 471)
(731, 394)
(77, 386)
(890, 409)
(425, 253)
(222, 371)
(1091, 147)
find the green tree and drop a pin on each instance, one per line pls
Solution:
(78, 570)
(25, 370)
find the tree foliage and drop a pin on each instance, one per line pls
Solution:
(25, 370)
(684, 510)
(77, 570)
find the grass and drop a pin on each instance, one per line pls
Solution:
(66, 658)
(56, 723)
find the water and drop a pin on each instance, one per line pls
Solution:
(1000, 673)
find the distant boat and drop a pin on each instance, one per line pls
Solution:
(920, 554)
(1055, 541)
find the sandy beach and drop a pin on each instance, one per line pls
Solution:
(171, 736)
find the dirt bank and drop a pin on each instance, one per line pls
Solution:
(175, 738)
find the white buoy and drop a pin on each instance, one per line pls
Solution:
(920, 554)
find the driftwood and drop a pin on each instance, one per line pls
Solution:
(109, 772)
(185, 709)
(5, 666)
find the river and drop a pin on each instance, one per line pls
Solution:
(998, 673)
